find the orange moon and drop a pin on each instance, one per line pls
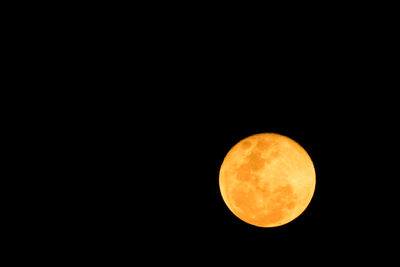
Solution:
(267, 180)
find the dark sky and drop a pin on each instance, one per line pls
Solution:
(128, 147)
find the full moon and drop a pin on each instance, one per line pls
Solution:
(267, 180)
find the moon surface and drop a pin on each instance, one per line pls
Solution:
(267, 180)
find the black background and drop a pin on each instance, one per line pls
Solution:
(124, 140)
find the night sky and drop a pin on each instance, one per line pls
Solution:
(120, 149)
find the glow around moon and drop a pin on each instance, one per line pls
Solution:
(267, 180)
